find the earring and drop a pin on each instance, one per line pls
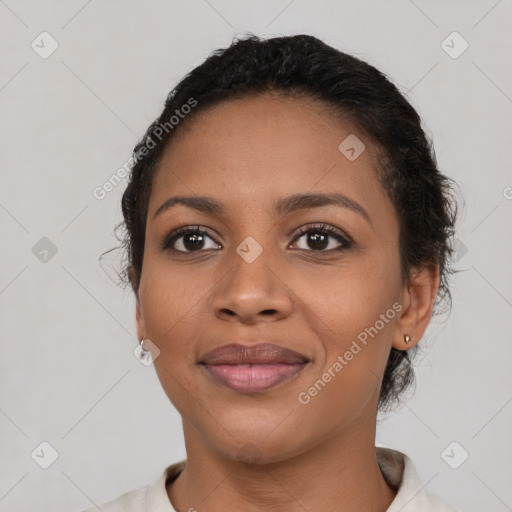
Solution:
(407, 338)
(144, 352)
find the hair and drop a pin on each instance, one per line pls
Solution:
(302, 66)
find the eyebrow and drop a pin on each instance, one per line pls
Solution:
(282, 206)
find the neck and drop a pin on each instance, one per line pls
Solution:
(340, 474)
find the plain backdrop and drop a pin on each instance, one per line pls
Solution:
(68, 375)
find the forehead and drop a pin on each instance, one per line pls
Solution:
(253, 150)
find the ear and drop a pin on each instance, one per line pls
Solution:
(418, 300)
(139, 317)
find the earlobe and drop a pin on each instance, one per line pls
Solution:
(419, 299)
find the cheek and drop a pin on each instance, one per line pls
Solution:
(350, 370)
(350, 297)
(353, 311)
(170, 300)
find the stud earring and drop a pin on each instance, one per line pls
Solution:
(144, 351)
(407, 338)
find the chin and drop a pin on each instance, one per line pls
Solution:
(258, 443)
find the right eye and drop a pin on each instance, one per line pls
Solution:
(186, 240)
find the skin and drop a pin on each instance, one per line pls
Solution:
(247, 153)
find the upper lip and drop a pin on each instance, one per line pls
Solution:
(262, 353)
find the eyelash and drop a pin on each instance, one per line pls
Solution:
(344, 240)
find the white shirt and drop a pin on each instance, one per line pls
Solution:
(396, 467)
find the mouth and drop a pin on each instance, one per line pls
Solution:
(255, 368)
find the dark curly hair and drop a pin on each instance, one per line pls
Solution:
(303, 66)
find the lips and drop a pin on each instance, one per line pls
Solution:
(253, 368)
(264, 353)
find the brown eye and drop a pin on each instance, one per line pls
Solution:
(188, 240)
(322, 239)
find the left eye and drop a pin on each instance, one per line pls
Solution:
(317, 239)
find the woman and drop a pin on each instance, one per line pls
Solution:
(288, 236)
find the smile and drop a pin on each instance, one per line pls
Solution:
(252, 368)
(252, 378)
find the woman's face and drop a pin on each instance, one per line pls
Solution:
(254, 278)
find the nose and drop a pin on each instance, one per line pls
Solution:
(252, 292)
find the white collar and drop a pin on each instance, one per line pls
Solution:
(397, 468)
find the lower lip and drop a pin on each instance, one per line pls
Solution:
(253, 378)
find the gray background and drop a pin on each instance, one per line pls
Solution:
(68, 373)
